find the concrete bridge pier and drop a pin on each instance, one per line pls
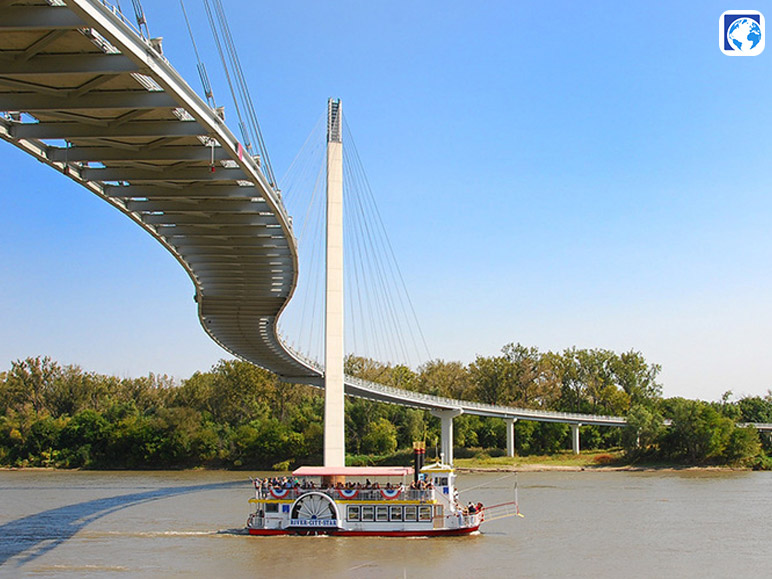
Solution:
(446, 423)
(510, 422)
(575, 437)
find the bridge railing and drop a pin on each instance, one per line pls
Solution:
(119, 13)
(441, 402)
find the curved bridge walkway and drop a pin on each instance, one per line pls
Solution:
(87, 94)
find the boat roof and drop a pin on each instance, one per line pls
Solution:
(353, 471)
(437, 467)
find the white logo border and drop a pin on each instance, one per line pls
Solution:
(721, 38)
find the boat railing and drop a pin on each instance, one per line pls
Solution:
(472, 520)
(256, 521)
(359, 494)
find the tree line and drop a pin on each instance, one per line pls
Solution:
(239, 416)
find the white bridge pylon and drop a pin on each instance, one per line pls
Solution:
(334, 419)
(84, 92)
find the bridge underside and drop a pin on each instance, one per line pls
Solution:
(91, 98)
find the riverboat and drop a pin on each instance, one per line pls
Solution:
(355, 501)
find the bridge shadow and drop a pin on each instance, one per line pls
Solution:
(26, 539)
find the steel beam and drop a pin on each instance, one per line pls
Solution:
(211, 272)
(242, 278)
(170, 218)
(244, 253)
(135, 129)
(200, 191)
(235, 206)
(97, 100)
(217, 230)
(56, 65)
(168, 153)
(162, 173)
(30, 18)
(206, 262)
(223, 241)
(42, 42)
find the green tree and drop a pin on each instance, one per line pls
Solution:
(755, 409)
(380, 438)
(565, 367)
(644, 428)
(637, 378)
(698, 432)
(492, 378)
(534, 385)
(239, 392)
(30, 381)
(440, 378)
(84, 439)
(743, 445)
(69, 392)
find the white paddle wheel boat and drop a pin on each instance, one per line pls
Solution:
(363, 501)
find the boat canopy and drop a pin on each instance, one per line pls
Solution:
(437, 467)
(354, 471)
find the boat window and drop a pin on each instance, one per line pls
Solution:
(368, 513)
(271, 507)
(381, 513)
(395, 513)
(425, 513)
(441, 481)
(353, 513)
(411, 513)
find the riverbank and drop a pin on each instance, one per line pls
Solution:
(597, 460)
(600, 461)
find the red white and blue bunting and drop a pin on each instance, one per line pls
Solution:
(348, 493)
(390, 493)
(280, 493)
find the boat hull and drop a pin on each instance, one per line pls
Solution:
(344, 533)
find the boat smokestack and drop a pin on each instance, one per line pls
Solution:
(419, 453)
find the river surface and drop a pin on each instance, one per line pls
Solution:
(578, 524)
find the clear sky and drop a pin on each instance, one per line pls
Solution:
(590, 174)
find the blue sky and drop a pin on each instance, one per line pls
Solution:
(560, 174)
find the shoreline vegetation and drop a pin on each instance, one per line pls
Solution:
(237, 416)
(587, 461)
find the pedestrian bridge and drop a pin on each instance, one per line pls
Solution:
(85, 92)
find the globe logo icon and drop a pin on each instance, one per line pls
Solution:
(744, 34)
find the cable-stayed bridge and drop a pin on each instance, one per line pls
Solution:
(86, 92)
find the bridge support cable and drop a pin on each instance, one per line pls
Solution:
(200, 66)
(379, 324)
(303, 186)
(384, 324)
(386, 249)
(226, 48)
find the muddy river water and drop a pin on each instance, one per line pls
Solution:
(577, 524)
